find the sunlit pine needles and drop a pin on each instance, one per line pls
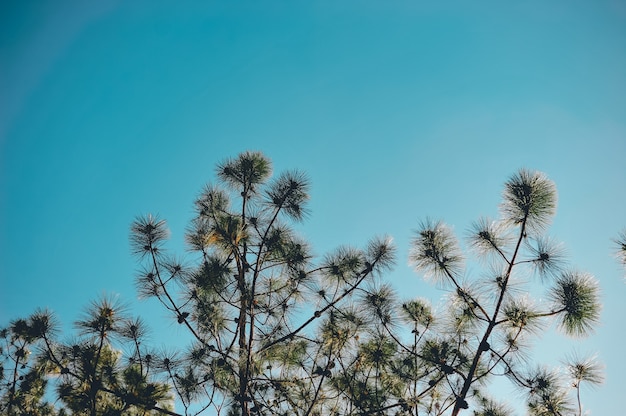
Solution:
(546, 255)
(147, 235)
(435, 252)
(529, 197)
(577, 297)
(587, 369)
(489, 239)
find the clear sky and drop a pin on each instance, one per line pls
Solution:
(398, 110)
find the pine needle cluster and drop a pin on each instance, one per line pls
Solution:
(277, 330)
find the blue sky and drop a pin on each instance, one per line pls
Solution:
(397, 110)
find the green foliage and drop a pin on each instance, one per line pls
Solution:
(486, 321)
(576, 296)
(547, 395)
(279, 331)
(493, 328)
(489, 407)
(86, 374)
(262, 345)
(435, 251)
(529, 199)
(584, 369)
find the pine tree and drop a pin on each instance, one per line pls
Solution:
(87, 374)
(276, 330)
(267, 319)
(446, 363)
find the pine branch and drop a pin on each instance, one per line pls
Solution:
(492, 322)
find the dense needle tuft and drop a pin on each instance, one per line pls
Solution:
(529, 198)
(147, 235)
(435, 252)
(577, 297)
(289, 193)
(245, 172)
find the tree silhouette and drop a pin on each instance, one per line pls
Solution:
(276, 330)
(253, 300)
(88, 373)
(483, 330)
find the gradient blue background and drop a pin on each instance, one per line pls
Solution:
(398, 110)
